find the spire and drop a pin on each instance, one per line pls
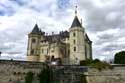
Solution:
(35, 30)
(76, 10)
(76, 22)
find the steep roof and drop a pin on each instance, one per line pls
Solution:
(76, 22)
(87, 38)
(57, 37)
(35, 29)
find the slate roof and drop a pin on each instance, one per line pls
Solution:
(36, 30)
(76, 22)
(57, 37)
(87, 38)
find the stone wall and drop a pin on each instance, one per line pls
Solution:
(116, 75)
(73, 74)
(15, 71)
(68, 73)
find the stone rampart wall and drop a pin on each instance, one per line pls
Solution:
(15, 71)
(116, 75)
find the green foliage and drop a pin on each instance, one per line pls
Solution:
(96, 64)
(83, 79)
(45, 76)
(101, 65)
(86, 62)
(29, 77)
(120, 58)
(89, 61)
(96, 61)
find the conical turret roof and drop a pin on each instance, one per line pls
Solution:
(35, 30)
(76, 22)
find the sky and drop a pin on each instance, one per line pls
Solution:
(103, 21)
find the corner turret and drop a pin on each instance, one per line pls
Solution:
(33, 49)
(77, 41)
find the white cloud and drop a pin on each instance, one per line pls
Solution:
(112, 16)
(103, 21)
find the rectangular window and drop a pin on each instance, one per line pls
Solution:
(42, 50)
(32, 52)
(74, 49)
(74, 41)
(68, 51)
(47, 50)
(33, 40)
(74, 34)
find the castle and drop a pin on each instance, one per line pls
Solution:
(67, 47)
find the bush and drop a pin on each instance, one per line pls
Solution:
(83, 79)
(86, 62)
(96, 64)
(45, 76)
(29, 77)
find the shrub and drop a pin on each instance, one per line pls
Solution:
(29, 77)
(45, 76)
(83, 79)
(96, 64)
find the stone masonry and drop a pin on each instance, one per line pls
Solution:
(15, 71)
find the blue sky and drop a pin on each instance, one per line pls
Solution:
(103, 21)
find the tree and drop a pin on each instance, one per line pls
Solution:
(83, 79)
(29, 77)
(45, 76)
(120, 58)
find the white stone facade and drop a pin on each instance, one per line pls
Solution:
(70, 47)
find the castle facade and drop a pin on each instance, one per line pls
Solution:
(67, 47)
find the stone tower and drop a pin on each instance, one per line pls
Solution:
(67, 47)
(33, 49)
(77, 41)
